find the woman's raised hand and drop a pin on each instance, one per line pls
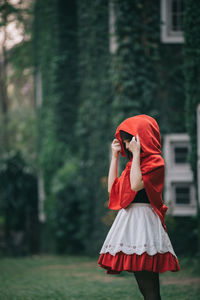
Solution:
(115, 147)
(134, 145)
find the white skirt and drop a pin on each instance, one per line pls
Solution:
(137, 229)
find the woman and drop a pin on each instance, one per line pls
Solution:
(137, 240)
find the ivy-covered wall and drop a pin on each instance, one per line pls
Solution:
(147, 74)
(192, 76)
(192, 85)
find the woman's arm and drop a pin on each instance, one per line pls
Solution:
(135, 173)
(113, 170)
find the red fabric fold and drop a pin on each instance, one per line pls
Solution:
(160, 262)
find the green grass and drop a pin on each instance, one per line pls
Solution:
(70, 277)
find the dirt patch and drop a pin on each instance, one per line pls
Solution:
(99, 277)
(71, 266)
(180, 281)
(167, 281)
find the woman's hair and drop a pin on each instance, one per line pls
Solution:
(127, 136)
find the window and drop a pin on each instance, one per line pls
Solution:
(182, 194)
(180, 154)
(176, 20)
(172, 12)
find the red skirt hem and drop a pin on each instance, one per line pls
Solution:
(160, 262)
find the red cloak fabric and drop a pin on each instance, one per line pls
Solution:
(151, 163)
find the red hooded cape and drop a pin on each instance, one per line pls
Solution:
(151, 163)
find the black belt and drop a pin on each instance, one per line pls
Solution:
(141, 197)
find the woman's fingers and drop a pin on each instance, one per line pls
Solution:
(138, 139)
(135, 144)
(116, 146)
(116, 141)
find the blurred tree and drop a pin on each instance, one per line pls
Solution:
(5, 11)
(65, 220)
(18, 132)
(14, 17)
(94, 118)
(67, 85)
(19, 205)
(56, 64)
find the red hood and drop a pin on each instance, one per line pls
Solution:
(151, 163)
(147, 129)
